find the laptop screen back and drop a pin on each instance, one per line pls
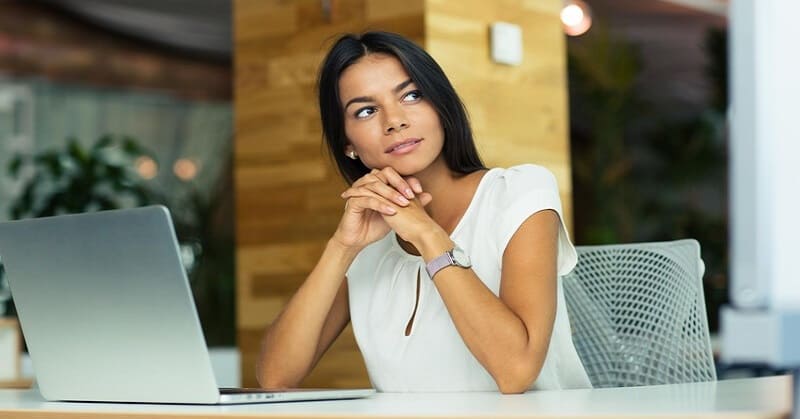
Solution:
(106, 309)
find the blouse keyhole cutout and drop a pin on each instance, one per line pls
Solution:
(416, 304)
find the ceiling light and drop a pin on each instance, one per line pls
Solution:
(576, 17)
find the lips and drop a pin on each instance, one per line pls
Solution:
(403, 145)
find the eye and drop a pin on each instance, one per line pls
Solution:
(364, 112)
(412, 96)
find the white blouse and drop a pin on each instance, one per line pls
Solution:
(382, 284)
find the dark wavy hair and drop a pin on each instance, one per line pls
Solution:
(459, 149)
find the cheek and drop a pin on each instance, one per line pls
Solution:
(428, 119)
(364, 132)
(355, 133)
(362, 137)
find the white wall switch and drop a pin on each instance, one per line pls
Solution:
(506, 41)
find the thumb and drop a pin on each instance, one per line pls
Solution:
(425, 198)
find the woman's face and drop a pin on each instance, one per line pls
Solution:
(387, 121)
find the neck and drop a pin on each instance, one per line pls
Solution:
(439, 181)
(452, 193)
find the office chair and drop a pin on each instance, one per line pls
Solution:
(638, 315)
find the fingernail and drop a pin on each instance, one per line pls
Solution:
(410, 193)
(391, 210)
(402, 200)
(418, 188)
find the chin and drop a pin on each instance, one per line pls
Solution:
(405, 168)
(409, 166)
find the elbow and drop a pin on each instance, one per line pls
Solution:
(268, 383)
(272, 377)
(517, 377)
(513, 387)
(264, 380)
(269, 375)
(271, 381)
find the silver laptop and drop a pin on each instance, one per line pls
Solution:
(108, 315)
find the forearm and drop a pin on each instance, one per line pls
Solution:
(494, 334)
(290, 343)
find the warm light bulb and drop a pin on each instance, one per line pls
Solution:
(576, 17)
(185, 169)
(146, 167)
(572, 15)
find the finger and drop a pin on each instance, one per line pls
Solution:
(414, 183)
(388, 193)
(393, 178)
(378, 174)
(370, 177)
(361, 203)
(377, 189)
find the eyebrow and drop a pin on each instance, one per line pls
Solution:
(362, 99)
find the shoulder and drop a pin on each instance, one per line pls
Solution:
(527, 177)
(519, 192)
(525, 182)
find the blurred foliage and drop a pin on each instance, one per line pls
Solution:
(603, 75)
(643, 173)
(77, 179)
(103, 177)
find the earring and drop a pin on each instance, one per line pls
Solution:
(352, 154)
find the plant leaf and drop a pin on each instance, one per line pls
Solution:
(103, 142)
(15, 164)
(77, 153)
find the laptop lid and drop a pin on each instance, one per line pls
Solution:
(106, 308)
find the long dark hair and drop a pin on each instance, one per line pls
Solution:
(459, 149)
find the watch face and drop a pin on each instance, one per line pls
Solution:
(461, 257)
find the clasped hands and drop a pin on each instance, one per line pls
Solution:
(381, 201)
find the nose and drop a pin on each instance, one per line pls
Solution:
(395, 120)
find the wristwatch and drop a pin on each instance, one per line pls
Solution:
(453, 257)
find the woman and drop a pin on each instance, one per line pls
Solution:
(447, 270)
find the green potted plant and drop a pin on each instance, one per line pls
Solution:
(76, 179)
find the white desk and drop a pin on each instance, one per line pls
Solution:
(746, 398)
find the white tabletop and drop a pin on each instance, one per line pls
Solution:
(743, 398)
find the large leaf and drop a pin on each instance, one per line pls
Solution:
(51, 162)
(24, 204)
(15, 164)
(133, 150)
(104, 141)
(78, 154)
(52, 206)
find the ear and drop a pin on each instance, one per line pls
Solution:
(350, 152)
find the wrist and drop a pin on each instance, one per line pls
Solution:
(433, 243)
(341, 250)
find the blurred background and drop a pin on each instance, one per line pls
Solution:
(120, 103)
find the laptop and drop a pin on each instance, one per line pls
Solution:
(108, 314)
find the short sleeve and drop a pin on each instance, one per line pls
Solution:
(523, 191)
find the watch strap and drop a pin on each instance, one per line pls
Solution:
(439, 263)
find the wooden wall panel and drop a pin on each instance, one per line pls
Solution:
(287, 203)
(519, 114)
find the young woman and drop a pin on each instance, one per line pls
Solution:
(447, 270)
